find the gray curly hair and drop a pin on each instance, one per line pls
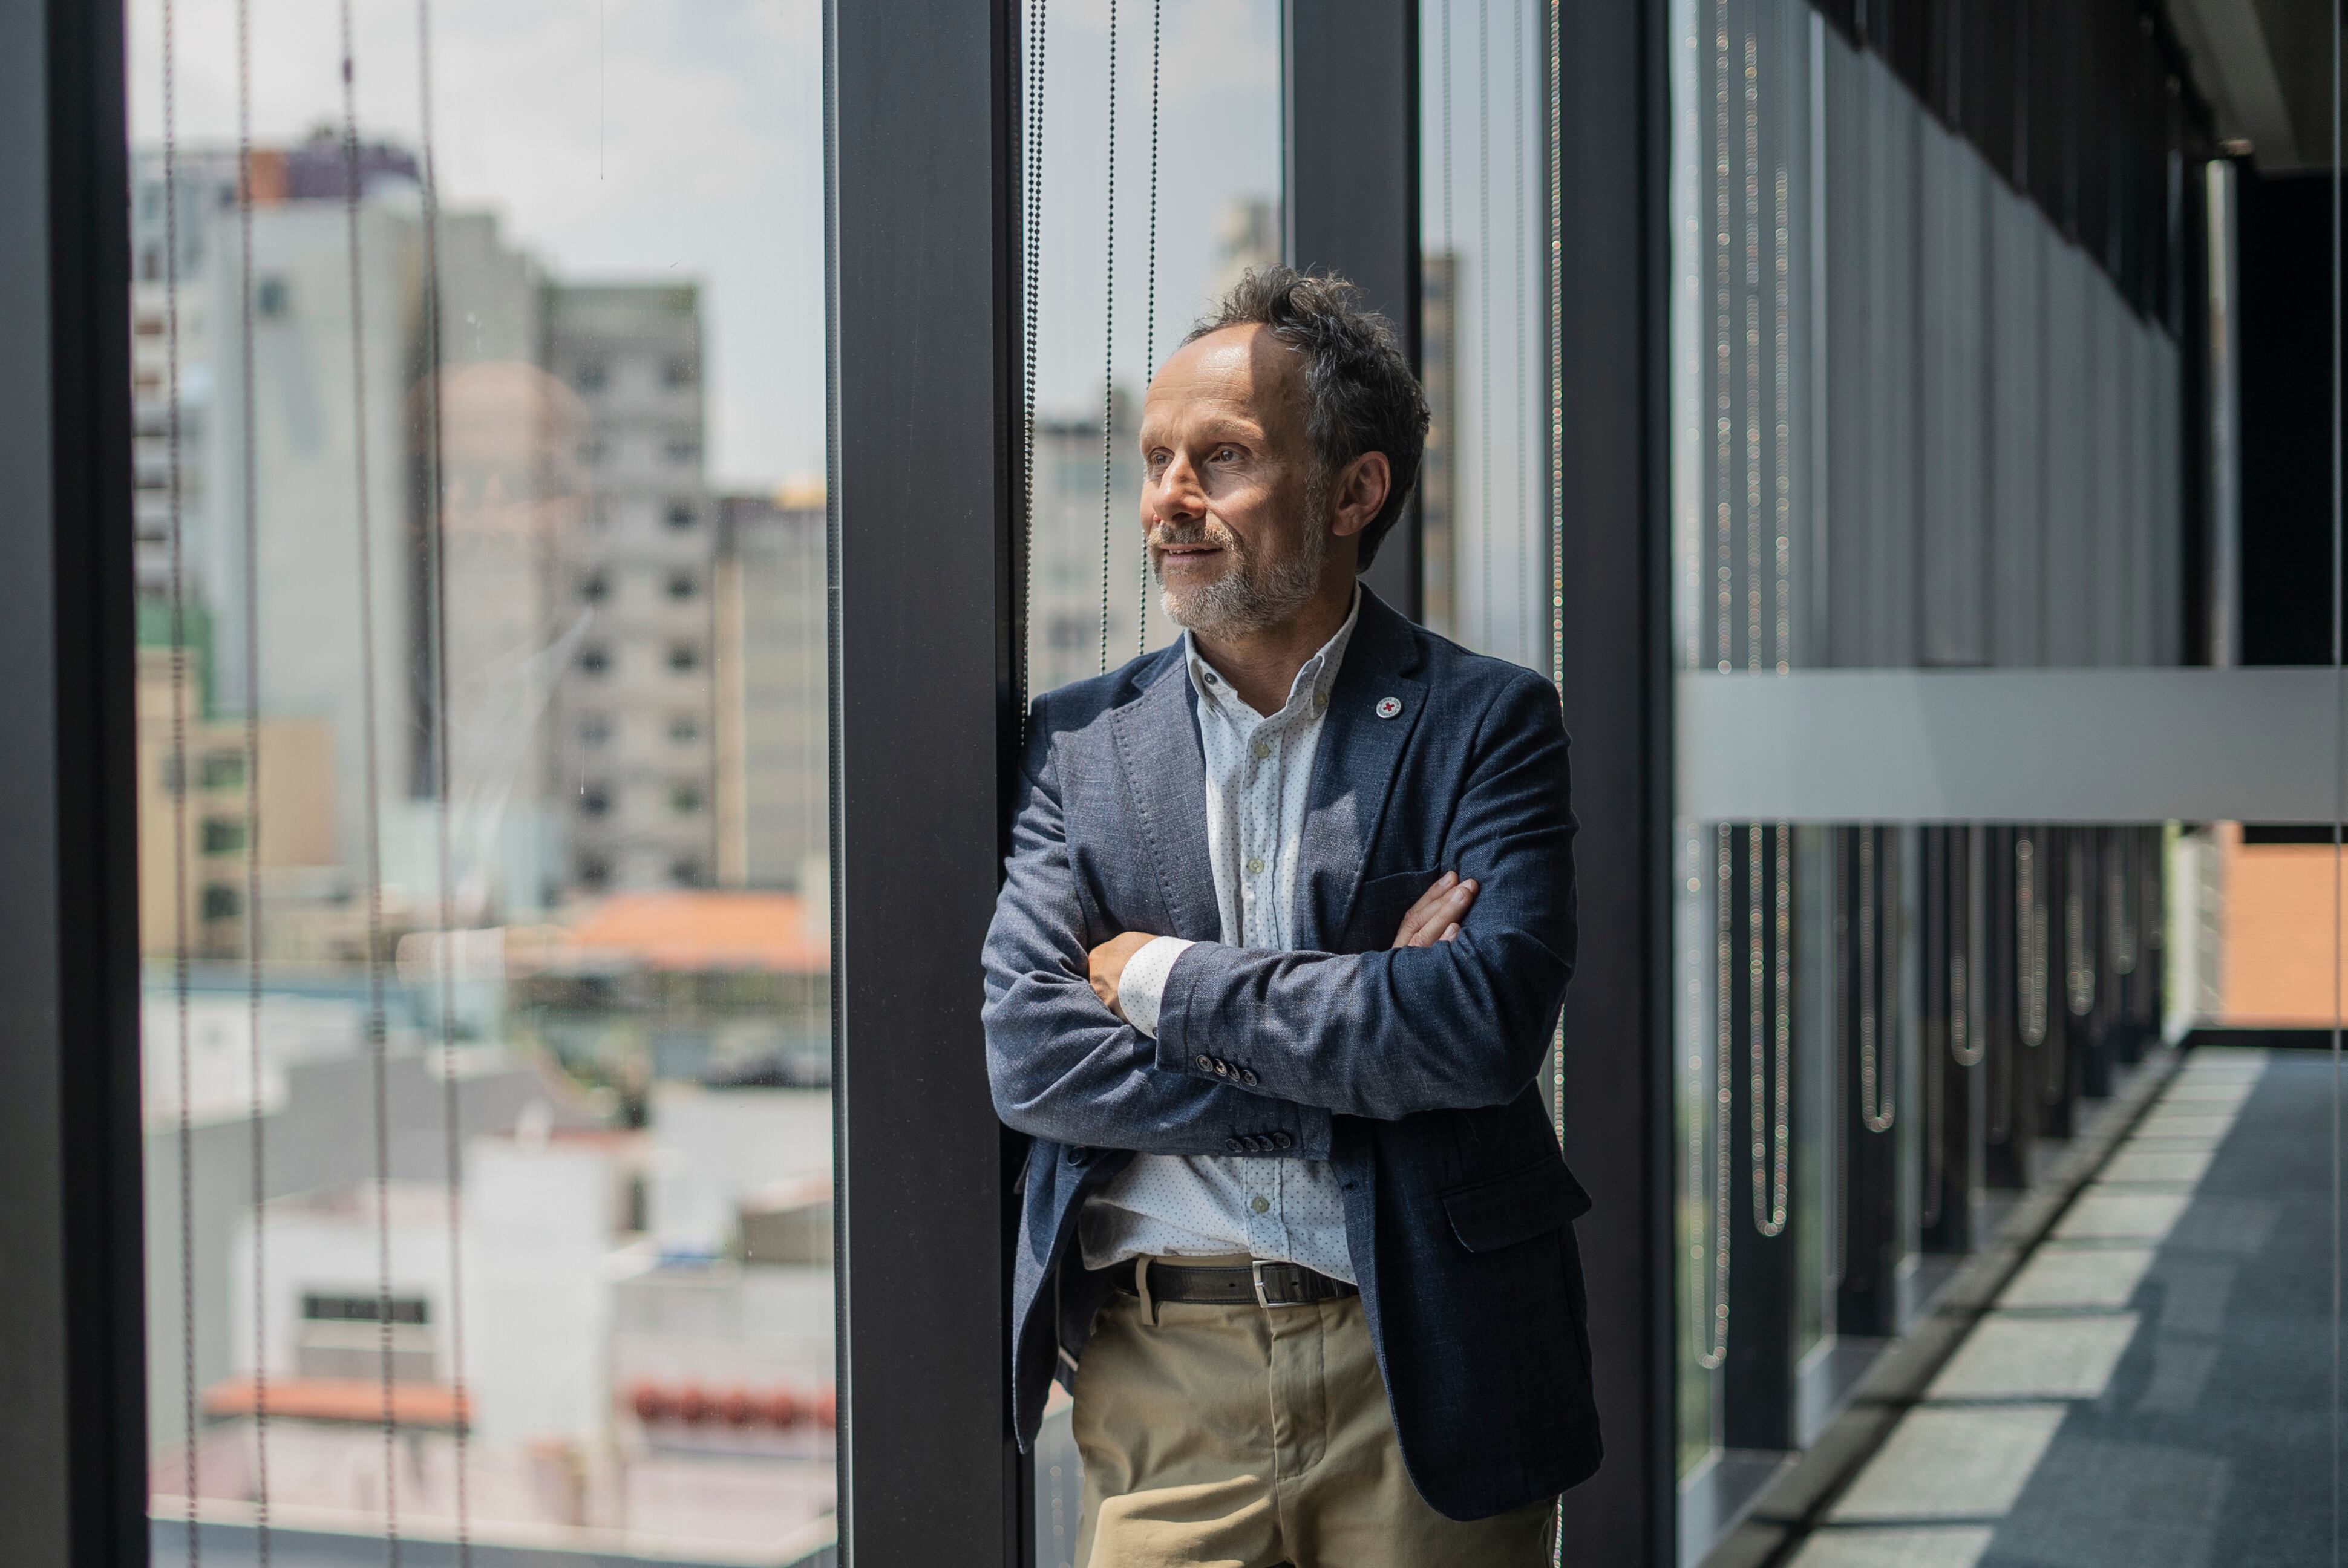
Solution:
(1360, 394)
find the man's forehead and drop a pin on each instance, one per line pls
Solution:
(1240, 372)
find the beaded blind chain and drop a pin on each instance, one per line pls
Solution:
(1149, 298)
(2119, 904)
(1108, 348)
(2030, 942)
(1965, 1045)
(2079, 960)
(1723, 1097)
(1875, 1098)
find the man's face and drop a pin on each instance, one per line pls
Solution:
(1229, 510)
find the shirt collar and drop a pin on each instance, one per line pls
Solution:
(1313, 680)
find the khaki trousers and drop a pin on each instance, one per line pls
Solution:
(1250, 1438)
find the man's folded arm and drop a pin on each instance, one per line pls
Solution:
(1061, 1065)
(1453, 1024)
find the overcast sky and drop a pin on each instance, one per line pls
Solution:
(652, 138)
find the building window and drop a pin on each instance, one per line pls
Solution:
(686, 873)
(594, 661)
(595, 730)
(685, 799)
(683, 450)
(677, 373)
(680, 515)
(172, 775)
(220, 770)
(594, 799)
(222, 902)
(593, 873)
(590, 451)
(269, 298)
(680, 586)
(363, 1309)
(683, 728)
(683, 657)
(222, 836)
(593, 588)
(590, 377)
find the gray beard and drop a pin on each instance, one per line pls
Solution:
(1251, 597)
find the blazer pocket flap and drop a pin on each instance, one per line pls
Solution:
(1501, 1211)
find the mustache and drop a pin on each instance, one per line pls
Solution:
(1207, 531)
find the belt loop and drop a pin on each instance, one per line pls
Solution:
(1141, 1289)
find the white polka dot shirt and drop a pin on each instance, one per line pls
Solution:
(1259, 777)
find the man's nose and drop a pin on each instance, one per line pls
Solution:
(1175, 493)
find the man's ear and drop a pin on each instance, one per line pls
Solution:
(1359, 493)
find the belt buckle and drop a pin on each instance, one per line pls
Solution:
(1262, 1298)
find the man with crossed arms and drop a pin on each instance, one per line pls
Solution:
(1283, 934)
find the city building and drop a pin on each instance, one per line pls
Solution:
(772, 700)
(193, 764)
(692, 986)
(1438, 480)
(633, 752)
(1084, 553)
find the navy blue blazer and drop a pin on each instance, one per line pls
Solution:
(1412, 1070)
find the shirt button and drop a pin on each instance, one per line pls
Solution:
(1282, 1140)
(1212, 680)
(1232, 1144)
(1259, 1204)
(1260, 750)
(1247, 1077)
(1206, 1064)
(1256, 865)
(1320, 702)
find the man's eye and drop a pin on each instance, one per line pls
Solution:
(1225, 455)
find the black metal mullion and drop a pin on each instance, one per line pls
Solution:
(73, 1458)
(921, 219)
(1613, 254)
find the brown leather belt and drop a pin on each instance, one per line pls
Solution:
(1264, 1283)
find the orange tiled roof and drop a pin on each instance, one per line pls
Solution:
(356, 1399)
(695, 931)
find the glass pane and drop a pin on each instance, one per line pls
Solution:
(482, 703)
(1483, 484)
(1124, 267)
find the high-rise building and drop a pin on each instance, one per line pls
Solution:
(1247, 236)
(772, 696)
(1078, 526)
(632, 753)
(205, 183)
(329, 455)
(1438, 482)
(194, 781)
(328, 388)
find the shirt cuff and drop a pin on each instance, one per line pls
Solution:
(1142, 986)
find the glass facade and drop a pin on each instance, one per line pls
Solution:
(480, 444)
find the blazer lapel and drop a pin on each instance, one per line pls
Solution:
(1165, 782)
(1353, 767)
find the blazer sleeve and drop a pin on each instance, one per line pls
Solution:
(1391, 1033)
(1061, 1065)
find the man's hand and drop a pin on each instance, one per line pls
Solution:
(1437, 915)
(1107, 963)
